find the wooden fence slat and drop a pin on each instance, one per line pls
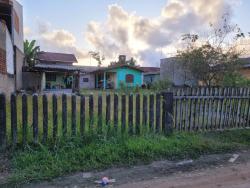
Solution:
(116, 100)
(64, 115)
(158, 113)
(99, 108)
(3, 137)
(108, 109)
(82, 115)
(35, 118)
(13, 105)
(45, 118)
(138, 114)
(151, 112)
(73, 115)
(130, 114)
(123, 114)
(145, 110)
(91, 111)
(55, 116)
(24, 118)
(169, 113)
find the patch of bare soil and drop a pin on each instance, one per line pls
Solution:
(206, 172)
(4, 168)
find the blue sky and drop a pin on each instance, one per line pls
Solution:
(74, 16)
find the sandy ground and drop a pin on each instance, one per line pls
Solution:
(208, 171)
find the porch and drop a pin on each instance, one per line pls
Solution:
(105, 80)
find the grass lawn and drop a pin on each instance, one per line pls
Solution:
(101, 151)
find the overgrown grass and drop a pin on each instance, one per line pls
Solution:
(97, 152)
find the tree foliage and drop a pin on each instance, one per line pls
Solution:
(30, 52)
(208, 60)
(98, 57)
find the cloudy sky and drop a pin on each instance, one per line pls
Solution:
(145, 29)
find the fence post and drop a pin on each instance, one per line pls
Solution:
(24, 118)
(64, 115)
(73, 115)
(13, 119)
(108, 109)
(99, 128)
(55, 119)
(45, 118)
(145, 110)
(91, 109)
(115, 111)
(82, 115)
(168, 112)
(35, 118)
(123, 114)
(130, 114)
(2, 121)
(138, 113)
(158, 113)
(151, 112)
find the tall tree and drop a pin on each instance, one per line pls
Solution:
(30, 52)
(208, 60)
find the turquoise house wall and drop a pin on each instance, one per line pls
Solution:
(121, 76)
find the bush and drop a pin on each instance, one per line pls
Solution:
(161, 85)
(235, 80)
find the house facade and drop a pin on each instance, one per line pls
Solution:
(150, 75)
(11, 46)
(117, 76)
(52, 71)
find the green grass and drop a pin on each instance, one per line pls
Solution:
(98, 152)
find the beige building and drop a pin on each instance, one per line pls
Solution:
(11, 46)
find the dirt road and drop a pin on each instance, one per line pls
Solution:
(208, 171)
(237, 176)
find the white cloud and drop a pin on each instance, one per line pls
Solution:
(127, 33)
(146, 39)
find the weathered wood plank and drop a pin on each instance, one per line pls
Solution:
(35, 118)
(116, 103)
(45, 118)
(82, 115)
(3, 136)
(73, 115)
(55, 117)
(151, 112)
(138, 114)
(130, 115)
(123, 114)
(24, 118)
(64, 115)
(13, 105)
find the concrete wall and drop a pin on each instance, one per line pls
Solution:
(32, 81)
(19, 64)
(7, 85)
(87, 85)
(173, 71)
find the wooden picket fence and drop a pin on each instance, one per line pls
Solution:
(181, 109)
(154, 114)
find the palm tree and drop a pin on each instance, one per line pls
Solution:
(30, 52)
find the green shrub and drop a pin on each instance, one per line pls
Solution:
(161, 85)
(235, 80)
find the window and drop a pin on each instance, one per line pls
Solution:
(129, 78)
(85, 79)
(50, 77)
